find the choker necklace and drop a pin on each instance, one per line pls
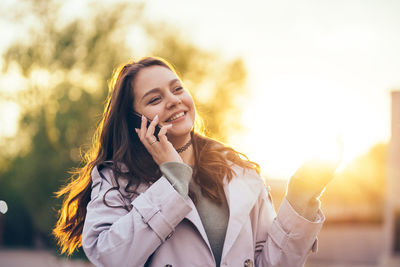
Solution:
(186, 146)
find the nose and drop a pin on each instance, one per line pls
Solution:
(173, 100)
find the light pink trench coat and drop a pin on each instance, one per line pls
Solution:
(164, 229)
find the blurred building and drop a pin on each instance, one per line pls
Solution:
(392, 209)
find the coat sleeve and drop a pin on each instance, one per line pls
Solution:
(284, 240)
(118, 237)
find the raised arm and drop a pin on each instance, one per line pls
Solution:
(284, 240)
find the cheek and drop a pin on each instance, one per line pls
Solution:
(188, 100)
(189, 103)
(150, 112)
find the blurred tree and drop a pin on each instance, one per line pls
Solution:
(66, 65)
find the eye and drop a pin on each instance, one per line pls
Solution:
(179, 88)
(154, 100)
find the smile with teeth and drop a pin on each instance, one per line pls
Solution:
(177, 116)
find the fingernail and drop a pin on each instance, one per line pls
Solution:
(169, 125)
(142, 117)
(156, 117)
(137, 130)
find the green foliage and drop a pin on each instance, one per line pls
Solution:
(67, 66)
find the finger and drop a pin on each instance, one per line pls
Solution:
(150, 131)
(162, 134)
(143, 128)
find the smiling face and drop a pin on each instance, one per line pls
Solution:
(158, 91)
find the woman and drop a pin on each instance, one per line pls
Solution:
(178, 198)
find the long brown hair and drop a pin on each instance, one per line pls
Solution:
(114, 141)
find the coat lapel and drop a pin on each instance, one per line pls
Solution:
(241, 193)
(194, 217)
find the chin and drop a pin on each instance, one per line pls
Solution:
(179, 131)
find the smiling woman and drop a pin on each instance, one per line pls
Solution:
(179, 198)
(158, 91)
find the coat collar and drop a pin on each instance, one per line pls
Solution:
(241, 194)
(194, 217)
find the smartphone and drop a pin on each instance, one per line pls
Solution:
(136, 121)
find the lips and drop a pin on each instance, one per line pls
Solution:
(176, 116)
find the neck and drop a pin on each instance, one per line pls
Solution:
(179, 141)
(187, 155)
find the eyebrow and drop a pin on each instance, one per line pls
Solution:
(158, 89)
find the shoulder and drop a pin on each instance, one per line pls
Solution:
(103, 173)
(106, 167)
(249, 177)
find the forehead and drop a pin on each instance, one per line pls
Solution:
(152, 77)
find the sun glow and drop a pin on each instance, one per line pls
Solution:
(285, 127)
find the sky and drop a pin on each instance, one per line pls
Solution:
(318, 71)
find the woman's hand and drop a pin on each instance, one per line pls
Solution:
(312, 177)
(309, 182)
(161, 151)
